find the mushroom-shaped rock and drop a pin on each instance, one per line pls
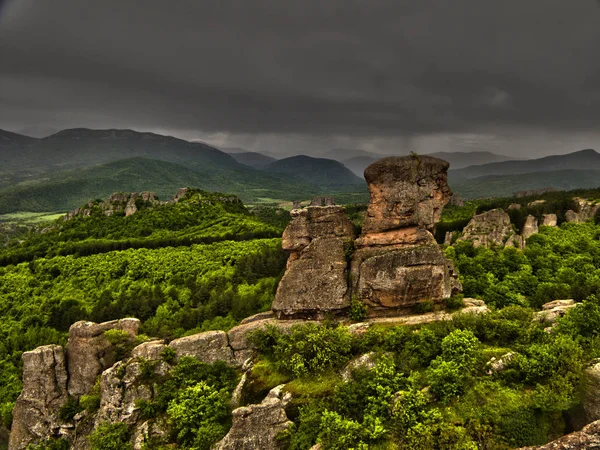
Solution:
(406, 191)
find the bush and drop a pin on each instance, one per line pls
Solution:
(447, 379)
(358, 311)
(461, 347)
(338, 433)
(312, 349)
(69, 409)
(196, 414)
(110, 436)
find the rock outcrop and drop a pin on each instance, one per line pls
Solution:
(591, 398)
(126, 203)
(530, 228)
(489, 228)
(315, 281)
(35, 416)
(586, 210)
(549, 220)
(553, 310)
(397, 262)
(256, 427)
(89, 352)
(586, 439)
(207, 347)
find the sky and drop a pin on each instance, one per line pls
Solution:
(517, 77)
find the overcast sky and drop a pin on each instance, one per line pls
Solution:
(519, 77)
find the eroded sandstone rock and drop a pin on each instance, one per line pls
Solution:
(530, 228)
(406, 191)
(35, 416)
(208, 347)
(397, 262)
(256, 427)
(89, 353)
(549, 220)
(586, 439)
(553, 310)
(315, 281)
(489, 228)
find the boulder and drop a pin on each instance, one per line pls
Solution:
(256, 427)
(591, 398)
(549, 220)
(35, 416)
(530, 228)
(572, 217)
(495, 365)
(89, 353)
(587, 209)
(489, 228)
(315, 281)
(367, 361)
(406, 191)
(514, 206)
(208, 347)
(551, 311)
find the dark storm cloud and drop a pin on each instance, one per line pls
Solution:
(367, 68)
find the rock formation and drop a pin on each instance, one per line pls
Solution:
(89, 352)
(35, 416)
(549, 220)
(208, 347)
(258, 426)
(586, 439)
(553, 310)
(397, 262)
(315, 281)
(489, 228)
(530, 228)
(586, 210)
(117, 202)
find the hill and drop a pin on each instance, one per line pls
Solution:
(67, 190)
(581, 160)
(343, 154)
(253, 159)
(507, 185)
(459, 160)
(318, 171)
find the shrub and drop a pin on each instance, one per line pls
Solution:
(69, 409)
(168, 355)
(110, 436)
(461, 347)
(196, 414)
(358, 311)
(447, 379)
(312, 349)
(338, 433)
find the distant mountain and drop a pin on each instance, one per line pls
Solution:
(343, 154)
(507, 185)
(582, 160)
(9, 138)
(323, 172)
(70, 189)
(253, 159)
(37, 131)
(458, 160)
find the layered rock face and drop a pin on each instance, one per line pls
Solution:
(397, 262)
(257, 426)
(117, 202)
(489, 228)
(315, 281)
(89, 353)
(35, 416)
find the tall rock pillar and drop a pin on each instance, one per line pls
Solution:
(319, 238)
(397, 262)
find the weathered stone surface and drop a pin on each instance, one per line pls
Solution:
(551, 311)
(367, 361)
(402, 277)
(586, 439)
(586, 209)
(315, 281)
(549, 220)
(591, 398)
(150, 350)
(117, 202)
(530, 228)
(208, 347)
(489, 228)
(89, 353)
(35, 416)
(257, 317)
(515, 206)
(255, 427)
(572, 216)
(406, 191)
